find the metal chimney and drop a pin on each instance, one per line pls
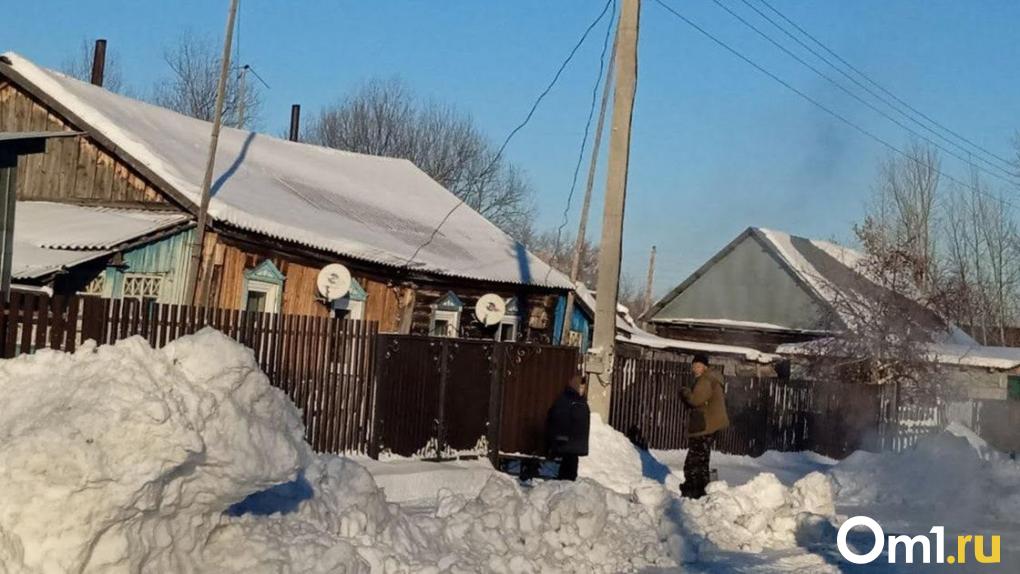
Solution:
(295, 122)
(99, 62)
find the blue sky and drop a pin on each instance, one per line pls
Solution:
(716, 147)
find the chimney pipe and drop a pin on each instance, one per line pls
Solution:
(295, 122)
(99, 62)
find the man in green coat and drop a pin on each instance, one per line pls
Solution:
(707, 416)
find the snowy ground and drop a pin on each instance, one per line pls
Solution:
(127, 459)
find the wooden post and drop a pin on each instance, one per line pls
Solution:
(203, 210)
(8, 199)
(599, 365)
(582, 226)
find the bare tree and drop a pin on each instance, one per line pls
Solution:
(386, 118)
(79, 66)
(884, 323)
(191, 86)
(559, 254)
(982, 261)
(903, 210)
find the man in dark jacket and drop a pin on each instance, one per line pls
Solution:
(567, 428)
(707, 402)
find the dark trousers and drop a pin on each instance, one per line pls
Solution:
(696, 472)
(568, 467)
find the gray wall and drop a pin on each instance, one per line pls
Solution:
(746, 285)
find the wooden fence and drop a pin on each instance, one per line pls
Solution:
(833, 419)
(324, 365)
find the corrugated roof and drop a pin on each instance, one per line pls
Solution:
(964, 355)
(49, 237)
(366, 207)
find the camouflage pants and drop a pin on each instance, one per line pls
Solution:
(696, 471)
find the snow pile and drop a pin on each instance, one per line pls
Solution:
(127, 459)
(615, 463)
(557, 526)
(761, 514)
(122, 458)
(942, 469)
(612, 461)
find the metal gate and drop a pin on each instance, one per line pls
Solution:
(439, 397)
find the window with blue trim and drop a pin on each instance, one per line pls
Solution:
(445, 320)
(263, 288)
(351, 305)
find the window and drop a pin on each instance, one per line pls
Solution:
(507, 331)
(508, 327)
(352, 305)
(256, 302)
(263, 288)
(445, 321)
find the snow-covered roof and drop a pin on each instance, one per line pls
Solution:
(627, 331)
(370, 208)
(969, 355)
(725, 323)
(646, 339)
(49, 237)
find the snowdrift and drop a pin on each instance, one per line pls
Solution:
(761, 514)
(120, 458)
(127, 459)
(123, 458)
(952, 469)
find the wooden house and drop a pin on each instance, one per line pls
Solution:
(779, 293)
(280, 211)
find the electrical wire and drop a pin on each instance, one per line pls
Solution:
(584, 140)
(816, 103)
(518, 128)
(857, 97)
(879, 86)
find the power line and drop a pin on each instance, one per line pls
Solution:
(892, 105)
(815, 102)
(879, 86)
(519, 127)
(584, 140)
(857, 97)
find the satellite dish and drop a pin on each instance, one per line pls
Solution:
(490, 309)
(334, 281)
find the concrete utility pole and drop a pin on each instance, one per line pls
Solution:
(582, 226)
(203, 210)
(647, 303)
(599, 365)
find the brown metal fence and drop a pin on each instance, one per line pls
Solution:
(439, 397)
(324, 365)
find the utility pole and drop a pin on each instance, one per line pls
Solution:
(599, 365)
(647, 304)
(203, 210)
(582, 226)
(240, 97)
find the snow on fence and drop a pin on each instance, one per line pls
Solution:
(325, 365)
